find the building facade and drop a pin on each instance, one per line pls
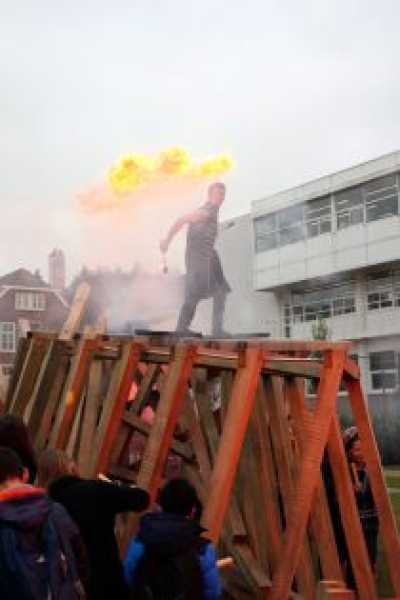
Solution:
(27, 302)
(330, 249)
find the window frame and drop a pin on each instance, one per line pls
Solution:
(30, 301)
(4, 348)
(384, 371)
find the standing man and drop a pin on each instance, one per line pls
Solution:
(204, 275)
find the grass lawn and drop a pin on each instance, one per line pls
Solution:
(384, 586)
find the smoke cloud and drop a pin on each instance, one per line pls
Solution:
(127, 235)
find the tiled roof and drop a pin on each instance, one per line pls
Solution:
(24, 278)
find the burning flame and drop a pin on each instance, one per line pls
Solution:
(132, 172)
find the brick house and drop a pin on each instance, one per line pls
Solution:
(26, 302)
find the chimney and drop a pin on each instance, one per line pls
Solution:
(57, 269)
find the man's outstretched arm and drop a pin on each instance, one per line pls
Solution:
(195, 217)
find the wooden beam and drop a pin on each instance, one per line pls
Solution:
(308, 474)
(114, 405)
(282, 451)
(30, 370)
(76, 312)
(320, 522)
(235, 426)
(71, 393)
(166, 417)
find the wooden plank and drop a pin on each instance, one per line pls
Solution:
(387, 521)
(89, 418)
(114, 406)
(247, 490)
(282, 450)
(349, 515)
(76, 312)
(197, 439)
(320, 522)
(269, 491)
(71, 393)
(50, 398)
(23, 348)
(31, 368)
(166, 417)
(351, 369)
(235, 427)
(201, 394)
(294, 367)
(308, 474)
(44, 384)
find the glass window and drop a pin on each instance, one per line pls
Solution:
(317, 214)
(266, 237)
(30, 301)
(297, 314)
(381, 198)
(382, 360)
(349, 207)
(266, 242)
(265, 224)
(342, 306)
(290, 235)
(290, 216)
(7, 337)
(384, 371)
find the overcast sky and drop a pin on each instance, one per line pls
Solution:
(293, 89)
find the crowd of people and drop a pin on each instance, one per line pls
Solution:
(58, 541)
(58, 536)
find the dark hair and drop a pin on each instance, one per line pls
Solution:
(179, 497)
(14, 434)
(11, 466)
(216, 184)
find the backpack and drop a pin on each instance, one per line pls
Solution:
(38, 564)
(174, 577)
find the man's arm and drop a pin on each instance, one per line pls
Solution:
(195, 217)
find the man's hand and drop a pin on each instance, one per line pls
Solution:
(164, 246)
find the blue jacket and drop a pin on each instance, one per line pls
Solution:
(168, 534)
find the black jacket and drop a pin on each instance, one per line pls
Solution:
(93, 505)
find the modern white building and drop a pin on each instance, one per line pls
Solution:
(330, 249)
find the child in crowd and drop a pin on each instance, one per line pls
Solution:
(93, 505)
(169, 559)
(363, 492)
(41, 552)
(364, 500)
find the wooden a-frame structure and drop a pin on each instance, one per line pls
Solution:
(256, 462)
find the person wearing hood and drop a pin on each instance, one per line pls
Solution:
(169, 558)
(93, 505)
(41, 552)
